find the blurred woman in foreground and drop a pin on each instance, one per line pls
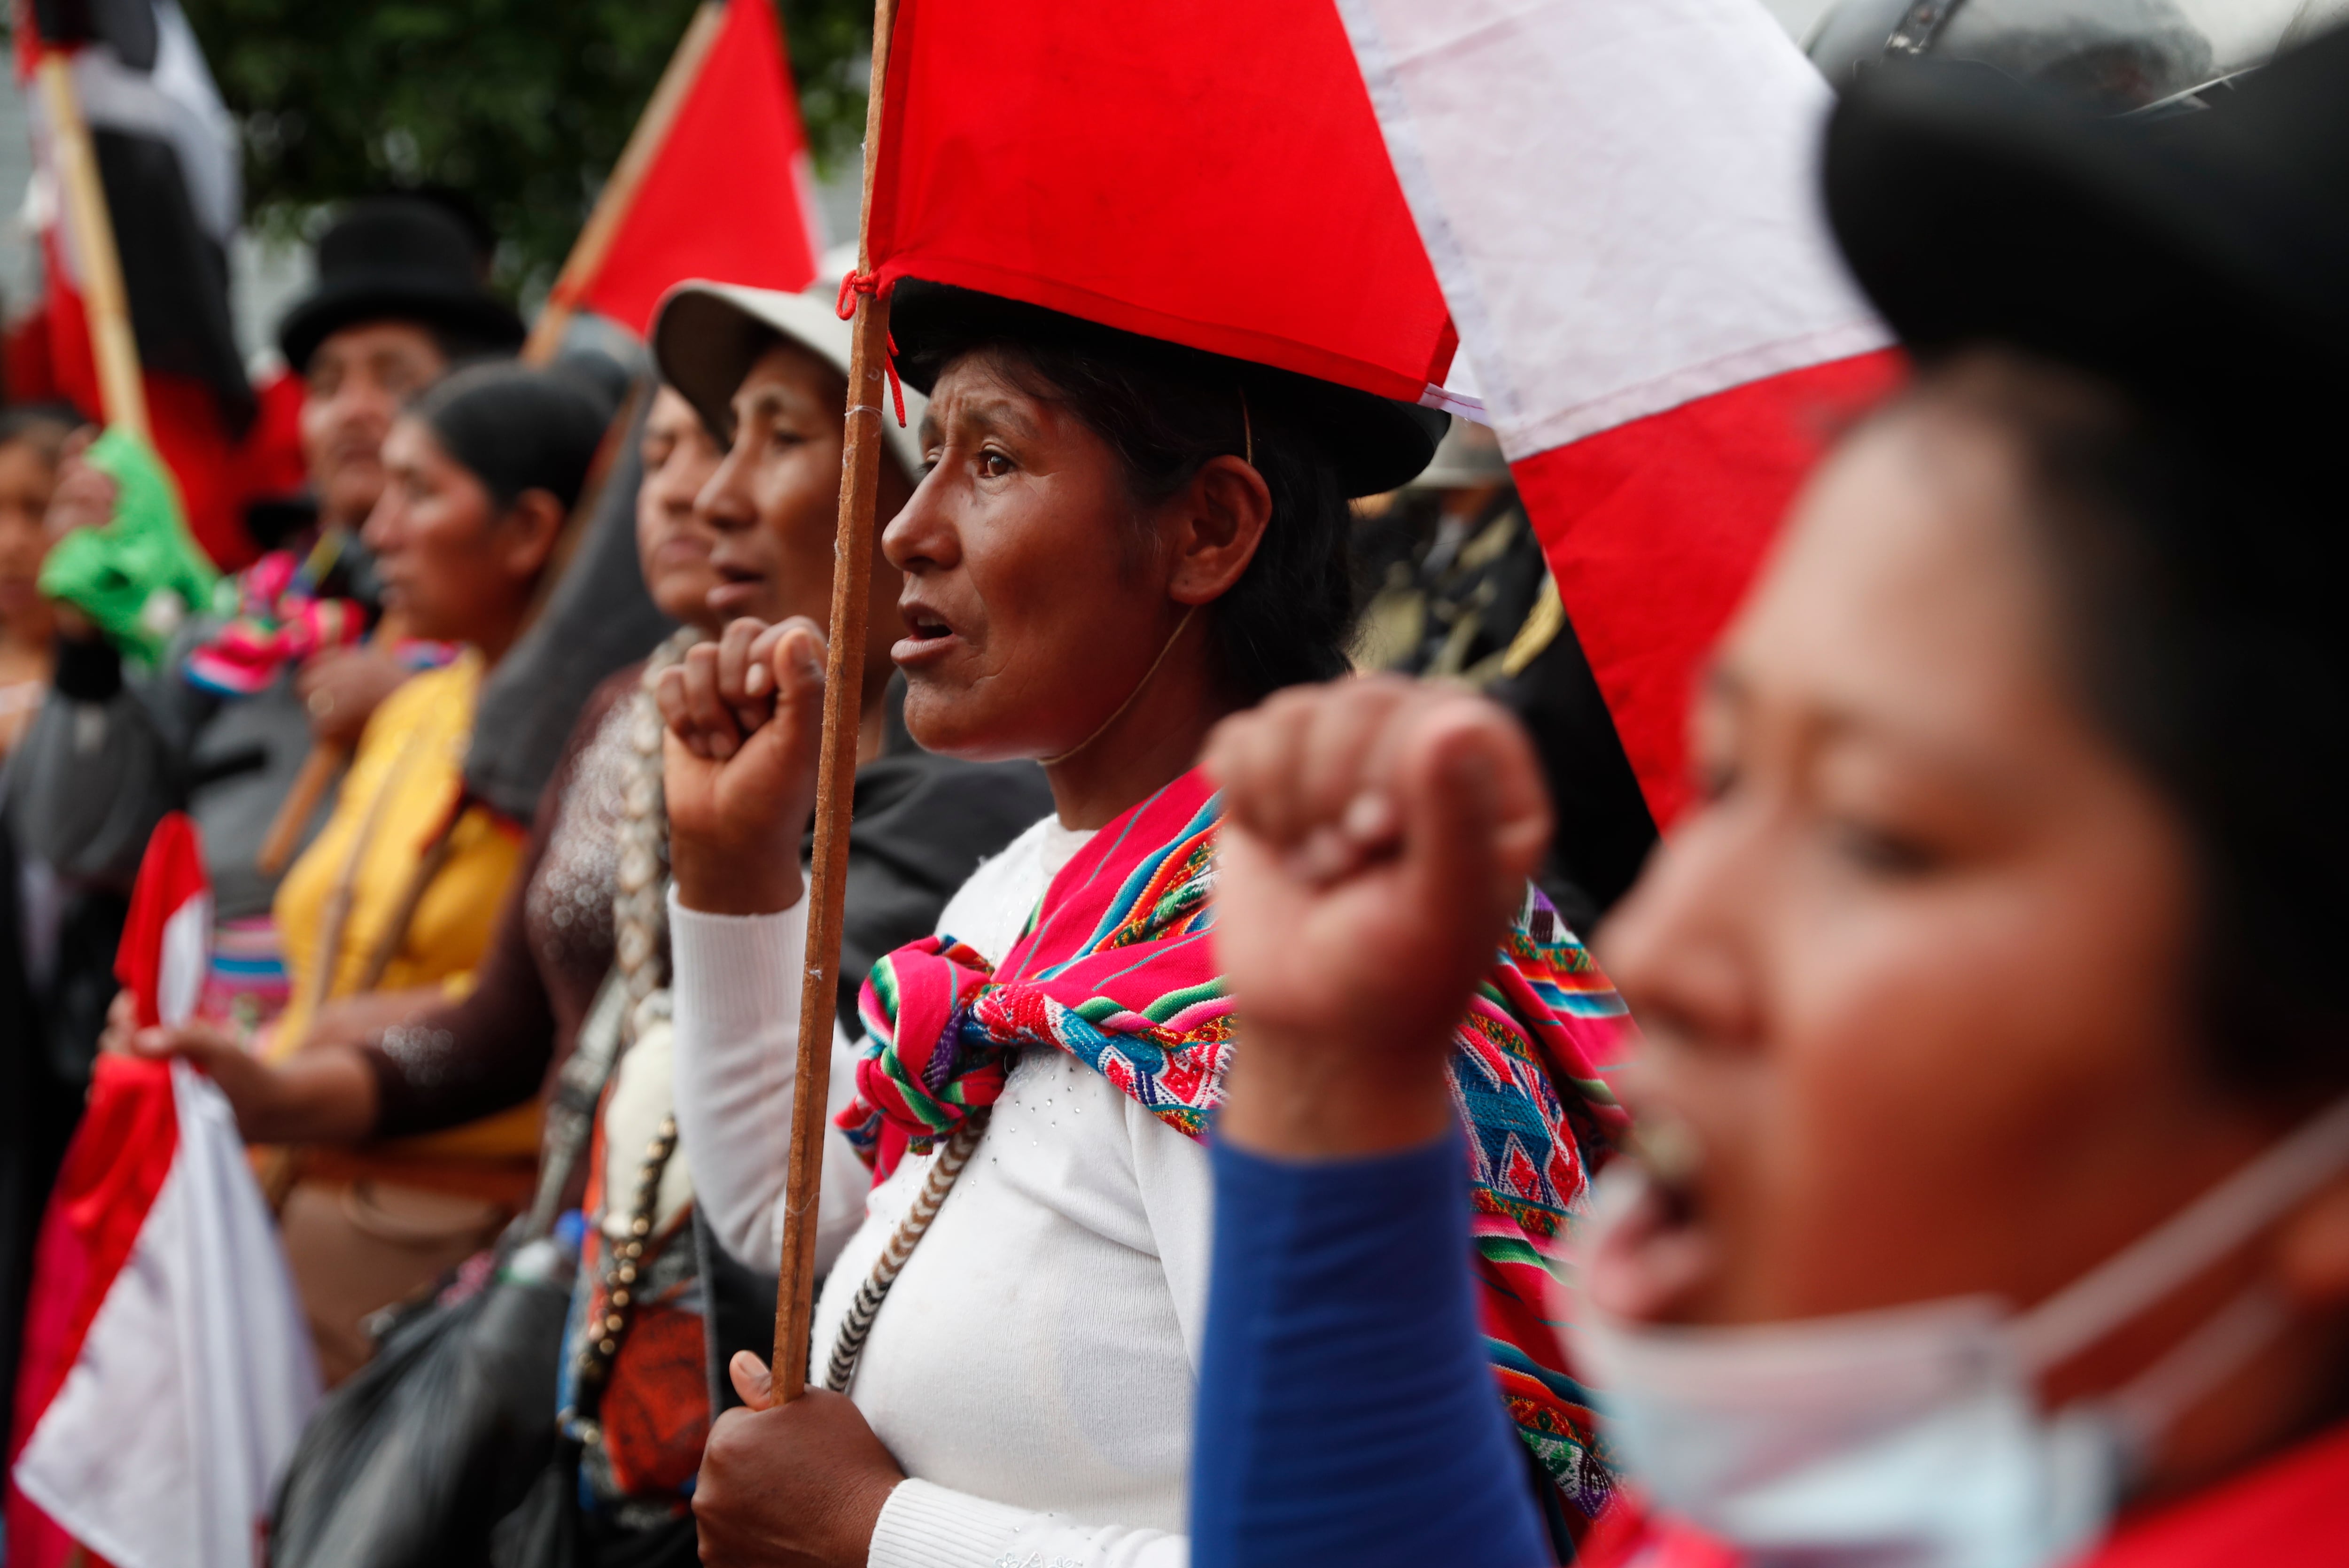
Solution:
(1991, 1200)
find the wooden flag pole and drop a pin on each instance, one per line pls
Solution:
(619, 193)
(852, 577)
(104, 304)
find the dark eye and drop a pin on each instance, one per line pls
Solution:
(1880, 851)
(1711, 778)
(994, 465)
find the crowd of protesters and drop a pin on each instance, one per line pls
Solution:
(1950, 1120)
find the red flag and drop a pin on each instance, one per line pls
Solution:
(167, 935)
(730, 194)
(1621, 201)
(1207, 171)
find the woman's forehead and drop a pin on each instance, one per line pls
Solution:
(1904, 598)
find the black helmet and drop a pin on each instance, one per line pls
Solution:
(2119, 56)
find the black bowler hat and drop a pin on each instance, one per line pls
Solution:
(2200, 259)
(398, 258)
(1375, 443)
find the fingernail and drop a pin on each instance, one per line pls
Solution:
(1370, 816)
(755, 680)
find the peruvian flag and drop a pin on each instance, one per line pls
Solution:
(1204, 171)
(1621, 198)
(170, 162)
(167, 1368)
(730, 193)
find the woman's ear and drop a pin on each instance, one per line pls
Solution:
(530, 526)
(1223, 513)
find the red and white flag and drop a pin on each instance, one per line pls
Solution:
(1620, 200)
(167, 1368)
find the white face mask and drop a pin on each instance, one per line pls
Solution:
(1912, 1438)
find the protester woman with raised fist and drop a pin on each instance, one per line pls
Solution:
(1988, 1202)
(1117, 545)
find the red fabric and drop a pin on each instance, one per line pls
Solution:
(113, 1171)
(171, 872)
(1654, 528)
(727, 197)
(2291, 1512)
(1207, 171)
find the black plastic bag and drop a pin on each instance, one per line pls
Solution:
(412, 1462)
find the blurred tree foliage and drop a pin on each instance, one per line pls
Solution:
(521, 106)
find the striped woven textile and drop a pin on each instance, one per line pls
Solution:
(1117, 968)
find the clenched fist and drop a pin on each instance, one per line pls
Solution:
(1377, 840)
(745, 717)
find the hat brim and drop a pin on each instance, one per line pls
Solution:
(1975, 209)
(707, 335)
(359, 298)
(1376, 444)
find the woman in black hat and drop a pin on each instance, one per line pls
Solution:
(1990, 1198)
(1118, 542)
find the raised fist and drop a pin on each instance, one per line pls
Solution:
(745, 717)
(1377, 840)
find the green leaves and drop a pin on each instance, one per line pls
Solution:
(521, 106)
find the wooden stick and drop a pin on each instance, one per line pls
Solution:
(619, 193)
(319, 769)
(852, 580)
(103, 303)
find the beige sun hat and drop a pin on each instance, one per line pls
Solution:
(707, 335)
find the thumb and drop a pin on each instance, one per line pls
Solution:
(752, 1381)
(797, 660)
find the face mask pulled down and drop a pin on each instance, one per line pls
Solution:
(1912, 1438)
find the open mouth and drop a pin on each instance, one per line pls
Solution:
(739, 590)
(928, 636)
(1649, 1246)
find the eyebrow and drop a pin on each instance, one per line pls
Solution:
(771, 400)
(998, 413)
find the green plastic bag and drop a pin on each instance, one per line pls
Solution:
(141, 575)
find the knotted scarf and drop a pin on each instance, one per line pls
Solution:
(1116, 967)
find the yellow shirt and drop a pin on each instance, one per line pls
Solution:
(350, 884)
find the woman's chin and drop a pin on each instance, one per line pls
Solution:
(942, 717)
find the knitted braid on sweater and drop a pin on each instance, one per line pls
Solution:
(639, 896)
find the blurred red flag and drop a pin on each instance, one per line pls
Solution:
(1207, 171)
(730, 194)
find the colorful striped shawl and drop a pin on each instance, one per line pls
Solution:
(1117, 968)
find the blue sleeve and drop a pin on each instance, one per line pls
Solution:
(1348, 1417)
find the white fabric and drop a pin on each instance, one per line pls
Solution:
(187, 958)
(641, 1096)
(1033, 1368)
(163, 1446)
(1620, 198)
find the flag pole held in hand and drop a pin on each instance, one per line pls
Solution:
(852, 574)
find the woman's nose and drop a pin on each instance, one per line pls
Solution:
(1676, 946)
(921, 534)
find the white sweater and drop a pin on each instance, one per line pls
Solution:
(1033, 1368)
